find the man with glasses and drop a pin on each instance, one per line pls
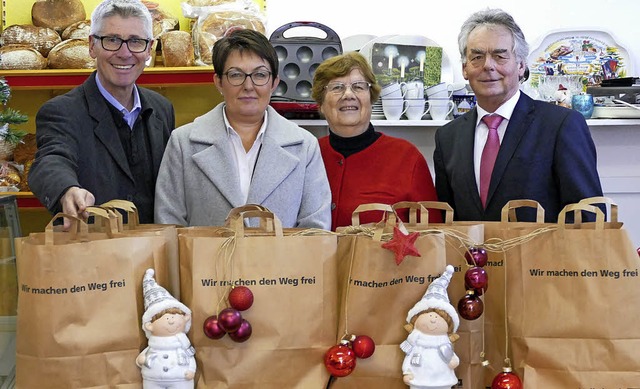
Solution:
(345, 88)
(104, 139)
(242, 151)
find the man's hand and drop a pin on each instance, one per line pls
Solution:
(75, 202)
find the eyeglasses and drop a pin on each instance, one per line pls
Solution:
(259, 77)
(113, 43)
(338, 88)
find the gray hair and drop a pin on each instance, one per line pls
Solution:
(496, 17)
(124, 9)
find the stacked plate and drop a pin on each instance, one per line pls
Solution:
(376, 111)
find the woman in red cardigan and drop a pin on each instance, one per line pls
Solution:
(364, 166)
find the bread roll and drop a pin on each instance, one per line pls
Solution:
(40, 38)
(57, 14)
(78, 30)
(216, 24)
(177, 49)
(71, 54)
(14, 57)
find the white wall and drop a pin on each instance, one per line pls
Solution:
(618, 147)
(441, 20)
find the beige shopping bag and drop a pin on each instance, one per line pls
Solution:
(376, 293)
(459, 237)
(80, 306)
(292, 274)
(132, 227)
(572, 297)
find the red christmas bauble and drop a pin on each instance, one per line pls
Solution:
(229, 319)
(506, 380)
(476, 278)
(476, 256)
(340, 360)
(212, 329)
(243, 333)
(241, 298)
(470, 307)
(638, 251)
(363, 346)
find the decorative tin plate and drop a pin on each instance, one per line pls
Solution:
(593, 54)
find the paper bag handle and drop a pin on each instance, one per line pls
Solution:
(133, 220)
(114, 222)
(77, 226)
(575, 208)
(235, 212)
(509, 210)
(611, 206)
(414, 208)
(389, 215)
(237, 223)
(442, 206)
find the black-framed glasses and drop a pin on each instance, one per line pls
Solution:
(258, 77)
(113, 43)
(338, 88)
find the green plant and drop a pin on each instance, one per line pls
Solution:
(10, 117)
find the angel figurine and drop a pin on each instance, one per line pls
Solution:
(168, 361)
(432, 322)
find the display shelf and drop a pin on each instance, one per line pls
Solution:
(68, 78)
(321, 125)
(24, 199)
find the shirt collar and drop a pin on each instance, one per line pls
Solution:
(137, 106)
(505, 110)
(230, 129)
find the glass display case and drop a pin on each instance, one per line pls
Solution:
(9, 229)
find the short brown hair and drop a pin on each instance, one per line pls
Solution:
(339, 66)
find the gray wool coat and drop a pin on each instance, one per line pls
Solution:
(198, 182)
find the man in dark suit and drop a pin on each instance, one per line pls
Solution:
(544, 152)
(105, 139)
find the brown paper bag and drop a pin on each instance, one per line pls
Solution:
(572, 299)
(80, 306)
(376, 294)
(292, 275)
(132, 227)
(458, 238)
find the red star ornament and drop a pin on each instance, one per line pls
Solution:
(402, 245)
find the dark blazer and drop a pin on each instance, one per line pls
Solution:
(78, 145)
(546, 155)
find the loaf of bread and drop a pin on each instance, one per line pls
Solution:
(78, 30)
(57, 14)
(71, 54)
(40, 38)
(216, 24)
(14, 57)
(177, 49)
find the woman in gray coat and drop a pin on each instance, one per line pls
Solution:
(243, 151)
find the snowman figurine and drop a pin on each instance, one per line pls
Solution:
(432, 322)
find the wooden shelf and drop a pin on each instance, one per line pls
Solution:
(69, 78)
(24, 199)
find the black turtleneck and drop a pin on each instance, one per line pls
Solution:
(354, 144)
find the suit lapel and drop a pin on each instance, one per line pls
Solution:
(156, 135)
(468, 131)
(105, 130)
(273, 166)
(217, 163)
(521, 119)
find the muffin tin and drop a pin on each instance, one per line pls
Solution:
(299, 57)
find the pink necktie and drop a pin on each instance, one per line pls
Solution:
(489, 154)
